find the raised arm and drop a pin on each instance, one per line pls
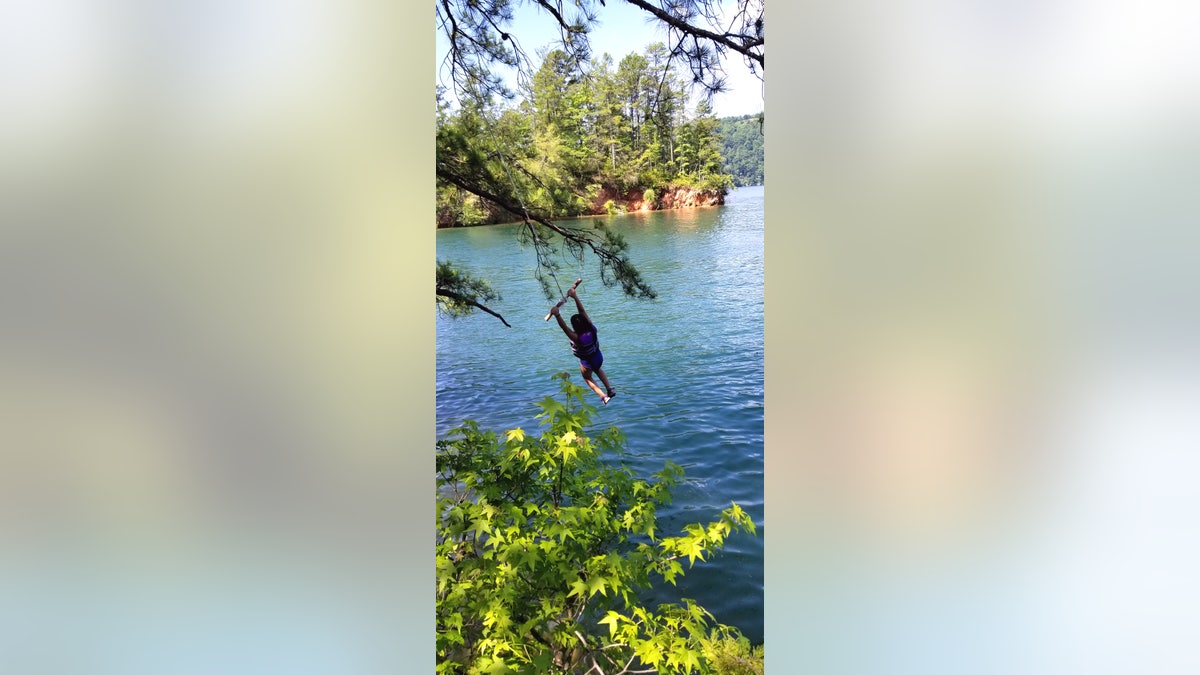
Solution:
(571, 335)
(579, 305)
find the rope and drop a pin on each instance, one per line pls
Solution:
(517, 194)
(556, 284)
(555, 278)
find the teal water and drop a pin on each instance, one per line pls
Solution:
(687, 366)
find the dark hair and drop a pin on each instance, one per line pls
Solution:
(580, 324)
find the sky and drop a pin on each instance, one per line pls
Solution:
(622, 29)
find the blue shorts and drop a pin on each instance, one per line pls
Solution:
(594, 363)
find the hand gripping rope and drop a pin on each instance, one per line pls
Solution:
(563, 299)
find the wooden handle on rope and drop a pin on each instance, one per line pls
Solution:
(563, 299)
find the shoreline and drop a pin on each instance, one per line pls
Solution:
(686, 198)
(580, 217)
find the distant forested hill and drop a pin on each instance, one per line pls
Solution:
(742, 148)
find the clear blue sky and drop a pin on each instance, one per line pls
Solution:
(621, 29)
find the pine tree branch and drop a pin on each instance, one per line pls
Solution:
(613, 260)
(447, 293)
(745, 48)
(563, 25)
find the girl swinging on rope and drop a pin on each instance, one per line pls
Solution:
(585, 344)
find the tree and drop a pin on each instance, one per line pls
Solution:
(560, 102)
(708, 155)
(664, 94)
(610, 125)
(631, 80)
(742, 148)
(543, 543)
(481, 41)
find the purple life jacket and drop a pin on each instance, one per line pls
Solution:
(586, 349)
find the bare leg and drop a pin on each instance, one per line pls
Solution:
(604, 379)
(587, 377)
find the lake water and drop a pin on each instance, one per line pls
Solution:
(687, 367)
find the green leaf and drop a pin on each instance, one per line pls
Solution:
(530, 557)
(542, 661)
(692, 547)
(673, 570)
(596, 584)
(649, 652)
(612, 618)
(578, 587)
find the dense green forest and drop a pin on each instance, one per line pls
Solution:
(611, 136)
(742, 148)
